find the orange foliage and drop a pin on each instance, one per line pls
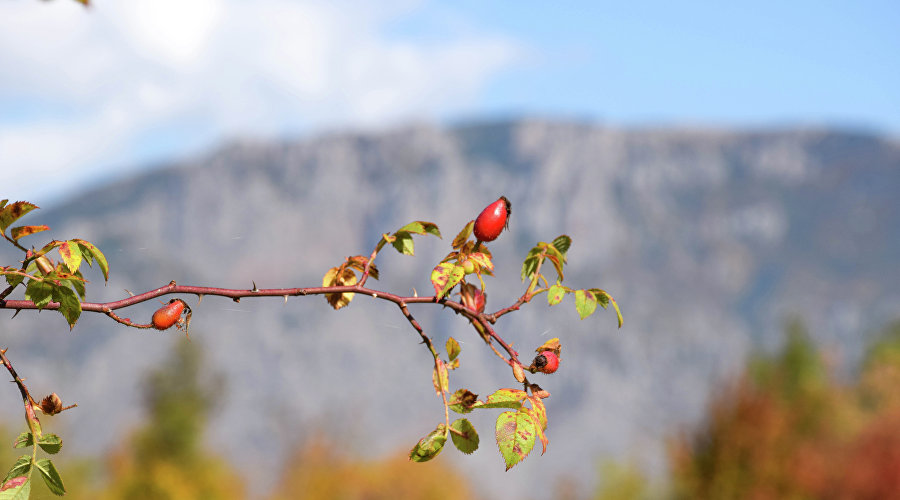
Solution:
(318, 471)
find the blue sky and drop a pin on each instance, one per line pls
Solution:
(90, 94)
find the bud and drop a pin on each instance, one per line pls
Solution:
(518, 372)
(44, 265)
(51, 405)
(472, 297)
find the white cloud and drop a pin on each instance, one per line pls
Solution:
(88, 89)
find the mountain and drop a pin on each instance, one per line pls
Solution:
(708, 239)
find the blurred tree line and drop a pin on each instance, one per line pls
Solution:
(786, 429)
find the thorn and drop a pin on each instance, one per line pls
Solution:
(128, 292)
(415, 293)
(374, 295)
(199, 298)
(236, 299)
(254, 289)
(285, 299)
(3, 351)
(172, 283)
(16, 313)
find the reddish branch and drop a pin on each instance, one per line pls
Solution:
(108, 308)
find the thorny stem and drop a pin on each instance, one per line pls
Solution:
(437, 360)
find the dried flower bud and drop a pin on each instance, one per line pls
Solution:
(51, 405)
(518, 372)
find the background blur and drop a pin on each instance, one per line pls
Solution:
(728, 174)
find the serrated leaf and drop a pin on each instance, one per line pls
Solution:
(555, 294)
(453, 348)
(429, 446)
(24, 440)
(440, 378)
(562, 244)
(14, 279)
(504, 398)
(89, 252)
(70, 251)
(20, 468)
(403, 243)
(605, 299)
(359, 262)
(515, 433)
(462, 401)
(51, 476)
(12, 212)
(39, 292)
(422, 227)
(50, 443)
(465, 438)
(445, 276)
(17, 488)
(69, 306)
(585, 303)
(23, 231)
(482, 259)
(539, 427)
(530, 264)
(78, 285)
(463, 235)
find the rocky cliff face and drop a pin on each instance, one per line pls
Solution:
(708, 239)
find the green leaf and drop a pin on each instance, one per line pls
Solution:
(20, 468)
(78, 285)
(463, 235)
(403, 242)
(69, 306)
(504, 398)
(483, 260)
(39, 292)
(562, 244)
(12, 212)
(51, 476)
(465, 438)
(23, 231)
(50, 443)
(89, 251)
(555, 294)
(422, 227)
(453, 348)
(515, 434)
(530, 265)
(14, 279)
(24, 440)
(462, 401)
(17, 488)
(585, 303)
(605, 299)
(70, 252)
(429, 446)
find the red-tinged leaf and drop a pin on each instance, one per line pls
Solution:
(539, 428)
(17, 488)
(555, 294)
(557, 264)
(550, 345)
(429, 446)
(440, 377)
(515, 433)
(359, 262)
(20, 468)
(462, 401)
(445, 276)
(482, 259)
(605, 299)
(24, 440)
(585, 303)
(504, 398)
(465, 438)
(22, 231)
(12, 212)
(70, 252)
(463, 235)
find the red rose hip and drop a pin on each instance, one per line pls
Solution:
(493, 220)
(167, 315)
(546, 362)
